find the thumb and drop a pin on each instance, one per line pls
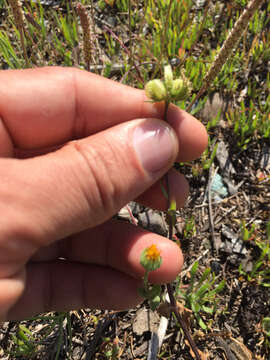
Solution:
(87, 181)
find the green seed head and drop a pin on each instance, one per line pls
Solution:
(155, 90)
(178, 88)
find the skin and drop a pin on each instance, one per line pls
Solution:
(67, 166)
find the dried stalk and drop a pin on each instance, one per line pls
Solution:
(230, 43)
(16, 6)
(87, 41)
(94, 35)
(130, 34)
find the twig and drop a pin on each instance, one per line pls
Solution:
(157, 338)
(225, 347)
(162, 330)
(132, 218)
(182, 323)
(210, 211)
(130, 34)
(153, 347)
(117, 69)
(101, 327)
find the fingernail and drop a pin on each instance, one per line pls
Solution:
(155, 144)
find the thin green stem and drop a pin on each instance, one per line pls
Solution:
(169, 286)
(167, 103)
(145, 279)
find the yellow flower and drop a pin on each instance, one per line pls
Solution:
(152, 253)
(150, 258)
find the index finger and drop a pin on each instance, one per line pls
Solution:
(49, 106)
(46, 107)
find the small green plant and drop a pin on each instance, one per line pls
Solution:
(24, 341)
(9, 53)
(213, 122)
(266, 330)
(110, 348)
(150, 260)
(246, 123)
(190, 228)
(247, 234)
(209, 155)
(201, 295)
(67, 26)
(260, 272)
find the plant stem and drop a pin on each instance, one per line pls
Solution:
(130, 34)
(170, 234)
(145, 279)
(169, 286)
(182, 322)
(167, 103)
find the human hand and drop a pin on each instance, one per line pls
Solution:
(74, 149)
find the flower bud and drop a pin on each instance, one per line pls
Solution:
(168, 77)
(155, 90)
(178, 90)
(181, 87)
